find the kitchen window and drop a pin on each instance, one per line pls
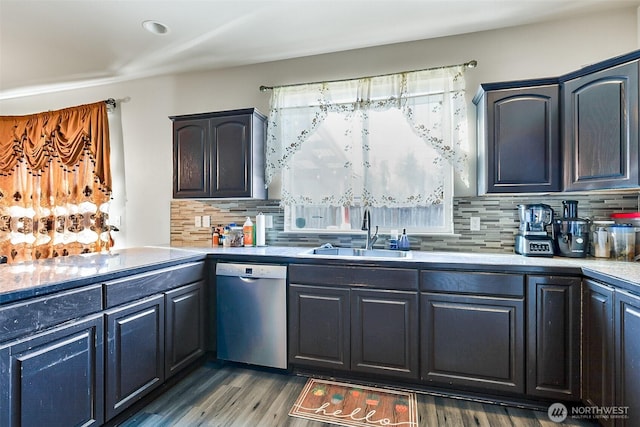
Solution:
(388, 143)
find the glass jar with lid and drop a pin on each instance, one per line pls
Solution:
(632, 218)
(623, 242)
(600, 240)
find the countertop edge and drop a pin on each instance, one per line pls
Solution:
(137, 260)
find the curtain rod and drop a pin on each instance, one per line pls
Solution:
(471, 64)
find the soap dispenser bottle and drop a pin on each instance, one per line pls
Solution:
(247, 231)
(403, 242)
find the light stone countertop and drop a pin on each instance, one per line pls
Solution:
(25, 280)
(29, 279)
(616, 272)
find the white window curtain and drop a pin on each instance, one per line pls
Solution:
(359, 139)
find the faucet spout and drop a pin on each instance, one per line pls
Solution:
(366, 226)
(373, 239)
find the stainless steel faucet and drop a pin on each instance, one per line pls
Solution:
(366, 225)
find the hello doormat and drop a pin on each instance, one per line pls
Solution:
(355, 405)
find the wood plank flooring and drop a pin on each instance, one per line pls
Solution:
(234, 396)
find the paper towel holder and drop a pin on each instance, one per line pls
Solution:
(260, 230)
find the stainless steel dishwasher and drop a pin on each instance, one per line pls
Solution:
(251, 303)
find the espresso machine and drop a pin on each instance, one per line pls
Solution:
(532, 238)
(571, 233)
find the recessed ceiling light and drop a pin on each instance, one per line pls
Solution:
(155, 27)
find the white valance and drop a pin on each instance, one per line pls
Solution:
(366, 126)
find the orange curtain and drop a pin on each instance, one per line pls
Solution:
(55, 183)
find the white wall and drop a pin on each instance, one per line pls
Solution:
(533, 51)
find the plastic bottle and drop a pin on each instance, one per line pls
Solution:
(393, 239)
(247, 231)
(403, 242)
(219, 230)
(226, 240)
(215, 237)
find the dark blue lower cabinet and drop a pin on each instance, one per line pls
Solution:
(472, 341)
(627, 376)
(384, 332)
(54, 378)
(598, 347)
(135, 352)
(553, 337)
(319, 327)
(184, 327)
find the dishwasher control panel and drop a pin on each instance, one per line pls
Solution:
(265, 271)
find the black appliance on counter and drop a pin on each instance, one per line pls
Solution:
(571, 233)
(532, 238)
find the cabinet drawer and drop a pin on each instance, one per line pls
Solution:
(36, 314)
(331, 275)
(501, 284)
(130, 288)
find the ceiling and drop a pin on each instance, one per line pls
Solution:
(48, 45)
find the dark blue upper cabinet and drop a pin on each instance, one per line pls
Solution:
(600, 116)
(572, 133)
(219, 155)
(519, 139)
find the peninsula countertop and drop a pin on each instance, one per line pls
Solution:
(24, 280)
(29, 279)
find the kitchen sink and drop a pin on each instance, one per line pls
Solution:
(359, 252)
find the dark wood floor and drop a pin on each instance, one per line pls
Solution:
(229, 395)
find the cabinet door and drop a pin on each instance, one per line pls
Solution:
(522, 144)
(319, 327)
(553, 331)
(185, 324)
(384, 332)
(601, 129)
(191, 158)
(135, 352)
(472, 341)
(627, 377)
(54, 378)
(598, 346)
(231, 156)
